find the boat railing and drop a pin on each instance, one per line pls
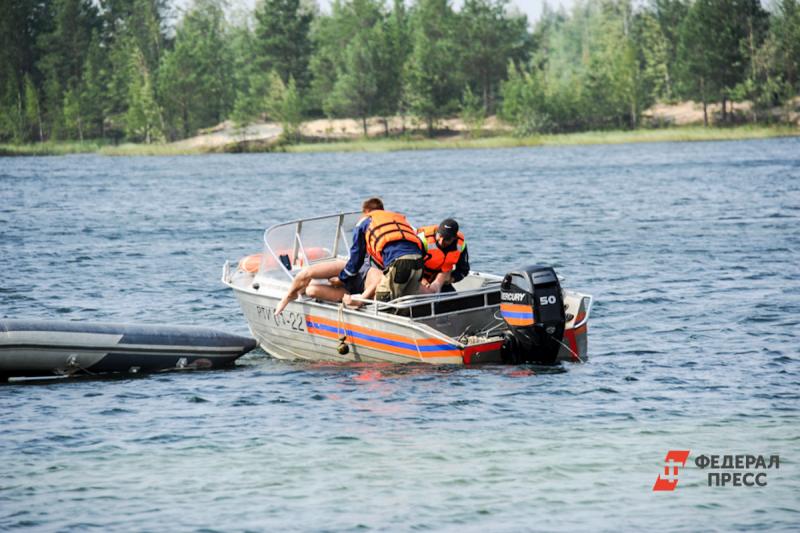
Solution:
(307, 241)
(587, 300)
(429, 305)
(433, 302)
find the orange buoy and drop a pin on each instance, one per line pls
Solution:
(252, 263)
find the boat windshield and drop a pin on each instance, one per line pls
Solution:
(293, 245)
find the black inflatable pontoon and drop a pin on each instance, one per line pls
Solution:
(48, 348)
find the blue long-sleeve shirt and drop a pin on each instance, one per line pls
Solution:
(358, 251)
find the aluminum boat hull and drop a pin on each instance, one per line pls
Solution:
(464, 327)
(314, 330)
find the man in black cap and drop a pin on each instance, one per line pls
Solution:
(446, 259)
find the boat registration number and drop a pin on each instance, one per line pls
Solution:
(287, 319)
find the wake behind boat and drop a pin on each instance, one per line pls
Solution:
(524, 316)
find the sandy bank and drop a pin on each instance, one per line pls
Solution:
(226, 136)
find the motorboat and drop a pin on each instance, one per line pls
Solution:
(44, 348)
(523, 316)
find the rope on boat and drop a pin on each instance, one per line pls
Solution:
(343, 348)
(500, 323)
(73, 368)
(419, 354)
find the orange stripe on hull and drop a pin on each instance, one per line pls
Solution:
(372, 332)
(349, 329)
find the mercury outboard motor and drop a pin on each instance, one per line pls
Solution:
(532, 305)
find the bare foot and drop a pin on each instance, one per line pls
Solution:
(347, 300)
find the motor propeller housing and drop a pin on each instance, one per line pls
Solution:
(532, 305)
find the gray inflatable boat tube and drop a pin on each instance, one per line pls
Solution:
(48, 348)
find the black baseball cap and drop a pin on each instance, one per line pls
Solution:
(448, 229)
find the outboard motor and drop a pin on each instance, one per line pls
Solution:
(532, 305)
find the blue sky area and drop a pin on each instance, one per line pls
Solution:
(532, 8)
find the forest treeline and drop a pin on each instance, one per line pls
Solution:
(142, 71)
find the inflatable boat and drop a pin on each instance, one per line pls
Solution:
(63, 348)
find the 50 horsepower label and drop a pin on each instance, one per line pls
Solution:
(287, 319)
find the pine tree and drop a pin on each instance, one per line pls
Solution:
(398, 34)
(196, 78)
(251, 100)
(356, 90)
(283, 104)
(71, 108)
(119, 77)
(334, 53)
(655, 51)
(282, 33)
(249, 81)
(525, 102)
(473, 112)
(93, 85)
(786, 38)
(130, 25)
(22, 24)
(143, 118)
(714, 49)
(67, 45)
(366, 82)
(489, 38)
(432, 75)
(33, 114)
(606, 67)
(669, 15)
(145, 23)
(12, 117)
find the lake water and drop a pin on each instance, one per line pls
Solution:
(692, 252)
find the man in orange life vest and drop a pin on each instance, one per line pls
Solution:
(446, 261)
(393, 246)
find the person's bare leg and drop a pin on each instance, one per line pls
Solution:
(303, 279)
(300, 282)
(374, 276)
(426, 289)
(441, 279)
(325, 292)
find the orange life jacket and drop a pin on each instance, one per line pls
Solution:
(437, 260)
(386, 227)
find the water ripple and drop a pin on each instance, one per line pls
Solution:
(691, 251)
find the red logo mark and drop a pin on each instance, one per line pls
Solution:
(669, 480)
